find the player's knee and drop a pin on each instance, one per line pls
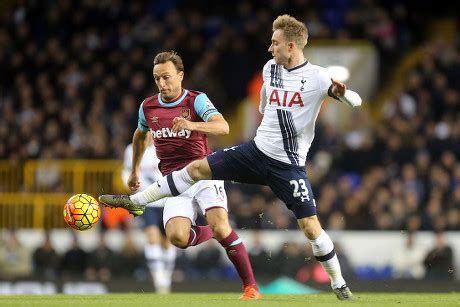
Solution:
(310, 226)
(199, 170)
(194, 170)
(220, 227)
(179, 239)
(221, 231)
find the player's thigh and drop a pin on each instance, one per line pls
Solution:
(210, 194)
(240, 163)
(291, 185)
(180, 206)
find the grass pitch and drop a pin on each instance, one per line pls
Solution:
(230, 300)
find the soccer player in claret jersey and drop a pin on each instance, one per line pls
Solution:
(291, 97)
(179, 121)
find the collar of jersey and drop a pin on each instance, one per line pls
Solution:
(297, 67)
(174, 102)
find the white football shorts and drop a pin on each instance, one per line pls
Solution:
(203, 195)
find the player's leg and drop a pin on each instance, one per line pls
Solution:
(238, 163)
(212, 199)
(168, 254)
(181, 233)
(173, 184)
(323, 250)
(178, 218)
(291, 185)
(153, 250)
(169, 259)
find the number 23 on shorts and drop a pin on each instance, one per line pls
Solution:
(300, 189)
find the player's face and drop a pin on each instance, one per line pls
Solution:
(280, 48)
(168, 80)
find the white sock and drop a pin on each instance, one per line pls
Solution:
(154, 256)
(171, 185)
(156, 264)
(323, 246)
(169, 259)
(182, 180)
(162, 281)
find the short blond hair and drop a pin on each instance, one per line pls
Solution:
(293, 29)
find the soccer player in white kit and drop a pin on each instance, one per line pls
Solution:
(159, 254)
(291, 97)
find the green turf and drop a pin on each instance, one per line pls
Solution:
(230, 299)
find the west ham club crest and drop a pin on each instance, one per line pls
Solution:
(185, 113)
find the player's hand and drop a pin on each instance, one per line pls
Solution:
(134, 182)
(180, 123)
(338, 88)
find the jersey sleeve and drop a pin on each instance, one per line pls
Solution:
(263, 99)
(265, 71)
(142, 122)
(204, 107)
(325, 83)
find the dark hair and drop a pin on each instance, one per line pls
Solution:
(172, 56)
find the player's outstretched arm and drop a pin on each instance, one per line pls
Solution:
(140, 143)
(216, 125)
(345, 95)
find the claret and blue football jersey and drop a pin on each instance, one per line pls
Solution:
(176, 150)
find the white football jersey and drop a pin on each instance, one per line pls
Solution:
(149, 172)
(291, 103)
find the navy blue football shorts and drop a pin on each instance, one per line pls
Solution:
(153, 216)
(247, 164)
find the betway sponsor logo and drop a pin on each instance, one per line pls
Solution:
(167, 133)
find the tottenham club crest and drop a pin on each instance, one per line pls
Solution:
(303, 84)
(185, 113)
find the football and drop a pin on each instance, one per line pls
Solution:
(82, 212)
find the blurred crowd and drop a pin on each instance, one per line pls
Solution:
(73, 74)
(17, 262)
(103, 263)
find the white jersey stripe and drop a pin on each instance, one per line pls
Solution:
(295, 146)
(284, 136)
(288, 136)
(290, 133)
(294, 138)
